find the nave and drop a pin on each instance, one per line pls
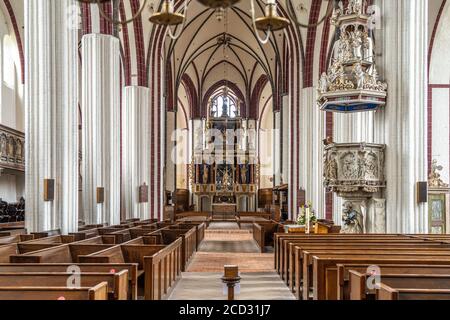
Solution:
(226, 244)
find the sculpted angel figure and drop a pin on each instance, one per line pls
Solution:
(352, 219)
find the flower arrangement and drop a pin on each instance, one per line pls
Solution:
(304, 213)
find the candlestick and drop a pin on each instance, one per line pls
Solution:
(307, 218)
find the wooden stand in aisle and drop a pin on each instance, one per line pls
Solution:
(231, 278)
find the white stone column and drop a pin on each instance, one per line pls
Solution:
(404, 38)
(51, 103)
(101, 127)
(312, 128)
(135, 150)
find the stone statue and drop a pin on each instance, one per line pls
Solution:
(332, 168)
(226, 179)
(19, 150)
(371, 167)
(350, 167)
(355, 6)
(357, 42)
(205, 174)
(3, 144)
(368, 49)
(323, 83)
(434, 179)
(359, 76)
(352, 219)
(244, 174)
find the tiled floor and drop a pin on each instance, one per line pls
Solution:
(226, 244)
(208, 286)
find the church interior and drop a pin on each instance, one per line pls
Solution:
(224, 150)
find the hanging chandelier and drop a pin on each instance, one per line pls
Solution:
(270, 22)
(167, 16)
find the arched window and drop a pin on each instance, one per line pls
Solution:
(224, 104)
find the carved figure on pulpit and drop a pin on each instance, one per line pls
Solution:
(371, 167)
(353, 221)
(332, 168)
(355, 6)
(323, 83)
(368, 51)
(359, 76)
(357, 43)
(350, 167)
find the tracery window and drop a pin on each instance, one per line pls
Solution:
(224, 105)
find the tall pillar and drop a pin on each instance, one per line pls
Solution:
(51, 102)
(312, 130)
(405, 41)
(101, 128)
(136, 150)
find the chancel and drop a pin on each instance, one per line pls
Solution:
(148, 147)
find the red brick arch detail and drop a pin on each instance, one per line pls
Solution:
(256, 96)
(13, 19)
(194, 108)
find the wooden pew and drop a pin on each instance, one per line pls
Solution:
(387, 293)
(16, 238)
(282, 239)
(252, 217)
(162, 271)
(189, 241)
(263, 233)
(295, 252)
(325, 270)
(329, 279)
(200, 228)
(57, 239)
(112, 268)
(160, 264)
(142, 230)
(117, 282)
(46, 234)
(67, 253)
(98, 292)
(359, 290)
(343, 272)
(284, 245)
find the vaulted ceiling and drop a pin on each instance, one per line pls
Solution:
(197, 60)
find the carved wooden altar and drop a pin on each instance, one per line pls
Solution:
(225, 165)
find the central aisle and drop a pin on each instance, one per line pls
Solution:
(226, 244)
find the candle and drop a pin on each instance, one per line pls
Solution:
(308, 215)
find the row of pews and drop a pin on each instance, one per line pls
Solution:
(131, 261)
(364, 267)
